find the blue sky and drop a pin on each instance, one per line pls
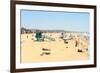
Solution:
(69, 21)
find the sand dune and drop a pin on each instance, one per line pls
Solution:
(66, 49)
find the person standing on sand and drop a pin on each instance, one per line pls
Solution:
(38, 35)
(76, 43)
(62, 35)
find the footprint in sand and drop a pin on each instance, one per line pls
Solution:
(45, 51)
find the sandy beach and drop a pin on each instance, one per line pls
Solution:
(50, 50)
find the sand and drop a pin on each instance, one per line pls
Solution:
(31, 50)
